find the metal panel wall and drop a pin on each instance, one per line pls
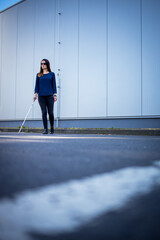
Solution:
(108, 56)
(92, 58)
(124, 58)
(68, 27)
(25, 53)
(151, 57)
(9, 58)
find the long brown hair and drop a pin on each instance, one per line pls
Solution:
(48, 67)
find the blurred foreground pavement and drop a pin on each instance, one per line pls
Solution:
(74, 187)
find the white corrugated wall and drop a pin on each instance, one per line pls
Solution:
(106, 53)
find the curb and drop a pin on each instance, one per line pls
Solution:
(118, 131)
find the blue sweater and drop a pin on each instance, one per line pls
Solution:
(46, 84)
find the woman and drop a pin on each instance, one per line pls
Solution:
(45, 88)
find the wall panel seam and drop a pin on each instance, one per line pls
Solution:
(59, 51)
(107, 58)
(141, 58)
(15, 98)
(34, 29)
(78, 62)
(54, 32)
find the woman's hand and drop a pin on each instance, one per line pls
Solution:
(35, 97)
(55, 98)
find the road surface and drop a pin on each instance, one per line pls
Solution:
(74, 187)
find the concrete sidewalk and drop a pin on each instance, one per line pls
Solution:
(112, 131)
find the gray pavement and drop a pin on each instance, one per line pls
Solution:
(79, 186)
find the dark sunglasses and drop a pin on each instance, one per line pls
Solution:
(43, 63)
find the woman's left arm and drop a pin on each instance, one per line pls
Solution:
(54, 87)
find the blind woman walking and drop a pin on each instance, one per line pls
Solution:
(46, 92)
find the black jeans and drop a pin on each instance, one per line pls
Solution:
(47, 103)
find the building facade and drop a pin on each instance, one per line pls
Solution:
(105, 54)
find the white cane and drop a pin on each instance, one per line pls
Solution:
(25, 117)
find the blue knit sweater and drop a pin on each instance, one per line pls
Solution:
(46, 84)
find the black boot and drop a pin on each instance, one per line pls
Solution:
(52, 130)
(45, 131)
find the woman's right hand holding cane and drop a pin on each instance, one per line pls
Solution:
(35, 97)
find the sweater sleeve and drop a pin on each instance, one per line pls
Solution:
(54, 84)
(36, 90)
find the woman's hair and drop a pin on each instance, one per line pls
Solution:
(48, 67)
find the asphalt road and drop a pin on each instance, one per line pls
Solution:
(74, 187)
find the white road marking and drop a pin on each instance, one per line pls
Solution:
(39, 136)
(65, 207)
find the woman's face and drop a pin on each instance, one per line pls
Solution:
(43, 65)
